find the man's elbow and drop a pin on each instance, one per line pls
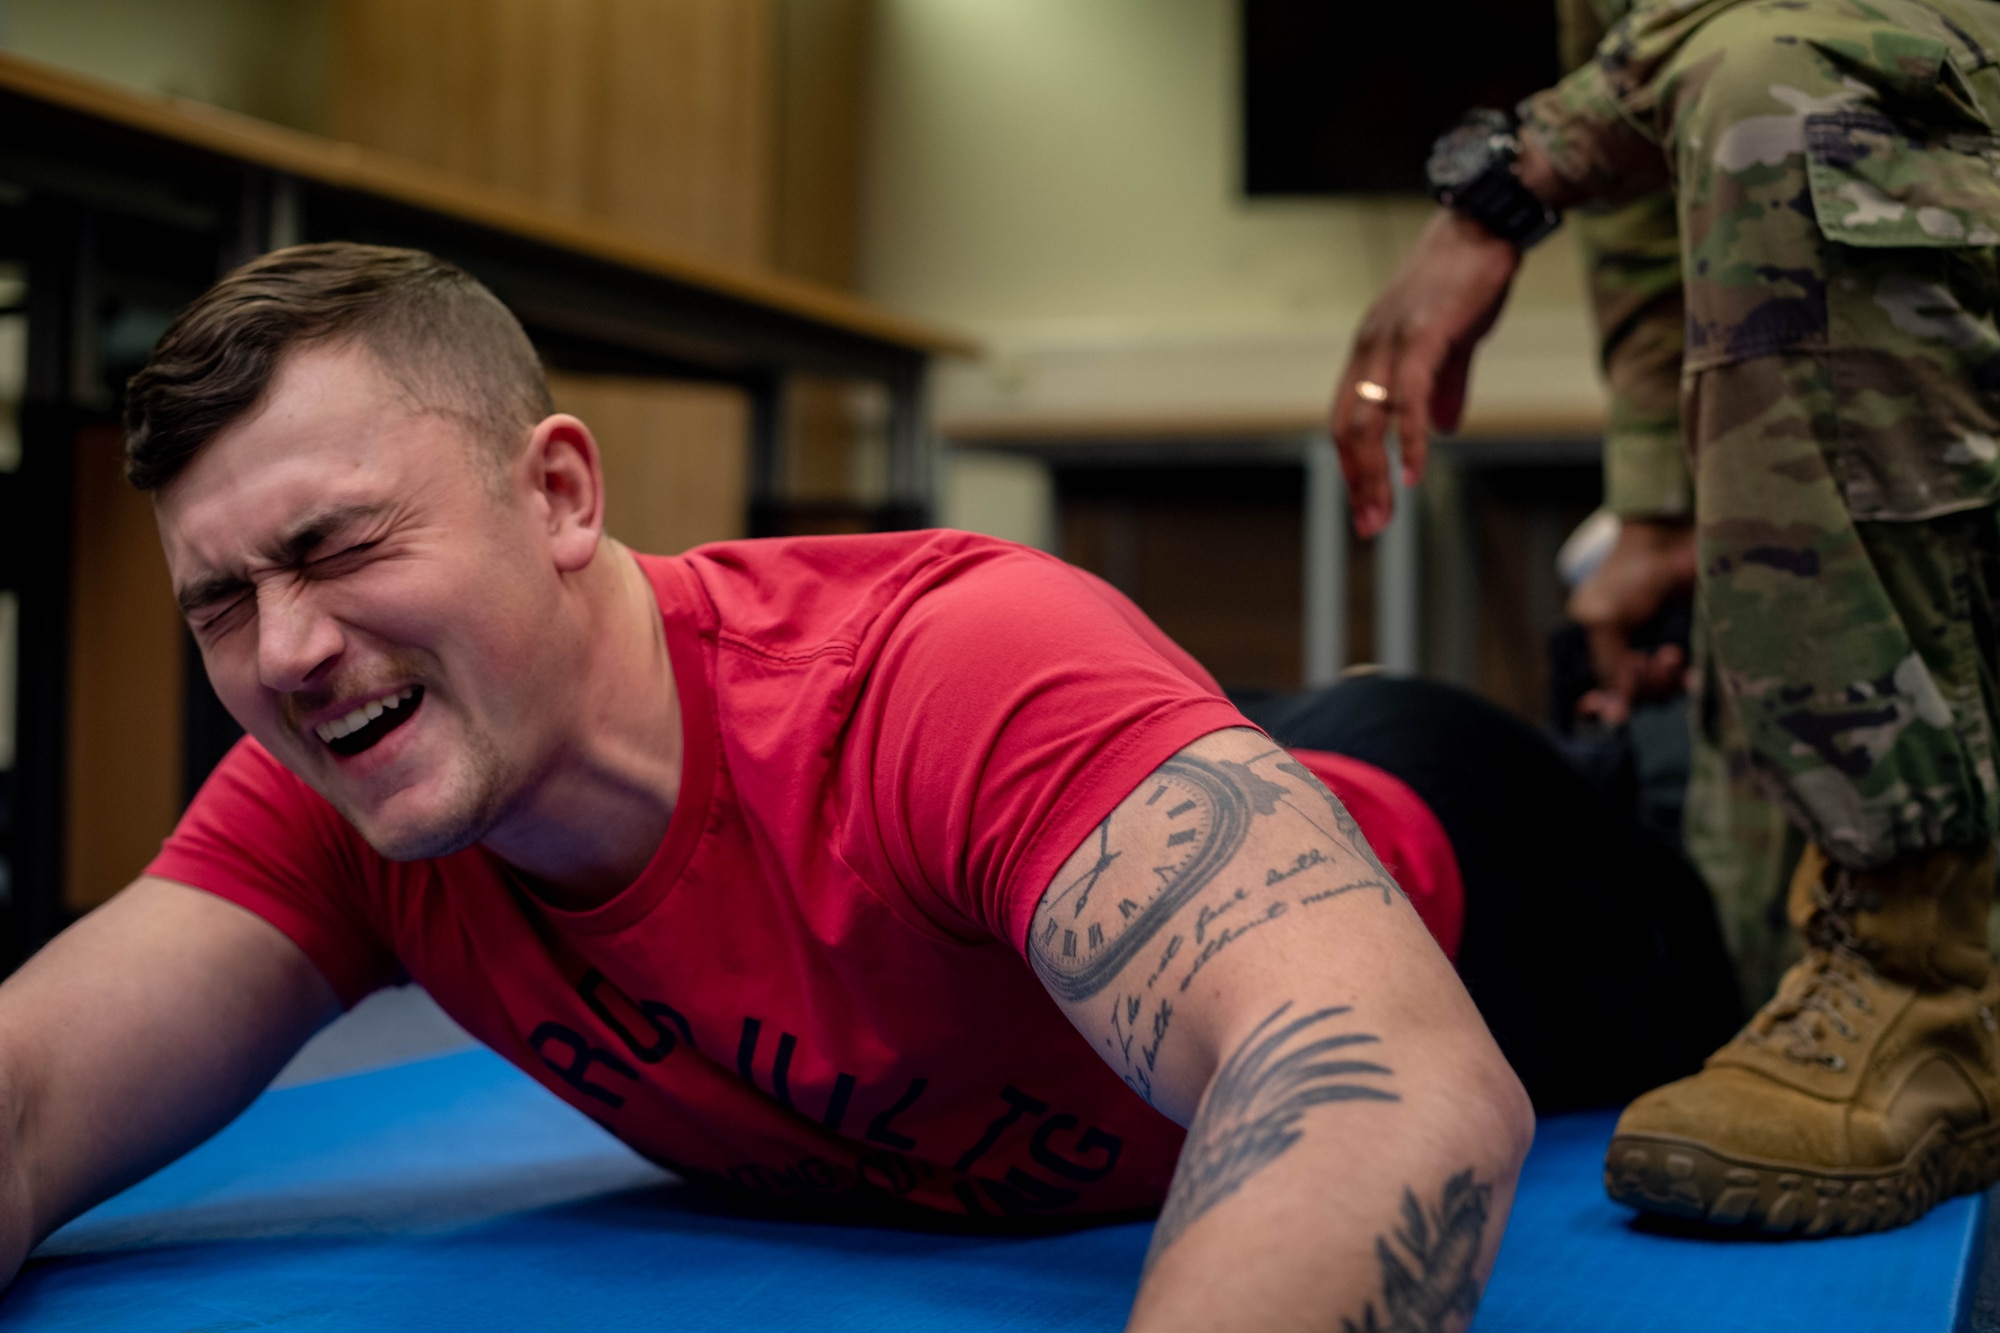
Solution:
(1498, 1110)
(1465, 1098)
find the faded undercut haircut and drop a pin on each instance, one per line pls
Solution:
(438, 334)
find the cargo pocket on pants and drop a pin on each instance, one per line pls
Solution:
(1911, 221)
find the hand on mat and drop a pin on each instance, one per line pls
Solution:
(1412, 357)
(1651, 563)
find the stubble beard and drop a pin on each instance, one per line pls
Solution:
(477, 799)
(479, 789)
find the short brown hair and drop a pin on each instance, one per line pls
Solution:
(443, 337)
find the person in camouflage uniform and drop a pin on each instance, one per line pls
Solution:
(1744, 846)
(1835, 184)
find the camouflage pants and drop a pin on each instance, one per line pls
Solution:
(1834, 172)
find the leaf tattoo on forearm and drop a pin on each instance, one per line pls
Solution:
(1431, 1283)
(1251, 1114)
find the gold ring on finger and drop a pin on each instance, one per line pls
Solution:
(1373, 392)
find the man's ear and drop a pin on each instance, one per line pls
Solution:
(566, 479)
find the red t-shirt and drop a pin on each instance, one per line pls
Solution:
(817, 987)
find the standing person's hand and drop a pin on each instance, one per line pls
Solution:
(1652, 562)
(1413, 355)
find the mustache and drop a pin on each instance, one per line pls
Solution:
(392, 674)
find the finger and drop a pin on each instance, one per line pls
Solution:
(1371, 501)
(1358, 429)
(1364, 461)
(1416, 377)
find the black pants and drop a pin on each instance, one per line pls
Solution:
(1590, 945)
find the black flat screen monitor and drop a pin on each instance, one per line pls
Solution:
(1345, 96)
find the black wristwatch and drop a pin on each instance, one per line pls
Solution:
(1472, 170)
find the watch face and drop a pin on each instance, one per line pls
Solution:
(1187, 821)
(1465, 152)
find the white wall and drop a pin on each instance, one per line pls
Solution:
(1060, 177)
(1000, 493)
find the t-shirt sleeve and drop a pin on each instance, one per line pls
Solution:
(1011, 707)
(259, 837)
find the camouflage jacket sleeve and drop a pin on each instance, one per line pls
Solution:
(1632, 263)
(1599, 127)
(1631, 258)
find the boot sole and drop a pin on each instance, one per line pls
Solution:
(1682, 1179)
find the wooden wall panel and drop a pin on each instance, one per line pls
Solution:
(822, 74)
(125, 680)
(1214, 555)
(653, 114)
(674, 464)
(656, 115)
(732, 127)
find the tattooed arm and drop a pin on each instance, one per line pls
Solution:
(1231, 946)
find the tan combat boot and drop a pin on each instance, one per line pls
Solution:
(1866, 1091)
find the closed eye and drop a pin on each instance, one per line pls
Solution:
(341, 561)
(221, 617)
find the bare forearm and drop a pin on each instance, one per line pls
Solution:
(132, 1037)
(17, 1224)
(1387, 1215)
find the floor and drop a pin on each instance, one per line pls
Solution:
(394, 1026)
(1986, 1305)
(388, 1028)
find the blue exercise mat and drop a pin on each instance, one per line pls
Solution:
(454, 1193)
(1572, 1259)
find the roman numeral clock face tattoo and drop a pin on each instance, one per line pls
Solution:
(1183, 825)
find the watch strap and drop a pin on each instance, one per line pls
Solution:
(1494, 195)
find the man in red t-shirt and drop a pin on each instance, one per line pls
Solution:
(914, 868)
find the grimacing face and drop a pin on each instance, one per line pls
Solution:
(368, 608)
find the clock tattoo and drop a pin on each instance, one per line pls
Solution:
(1193, 818)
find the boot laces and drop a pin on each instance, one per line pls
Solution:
(1832, 970)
